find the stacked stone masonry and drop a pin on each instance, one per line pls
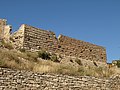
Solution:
(32, 38)
(82, 49)
(39, 39)
(5, 30)
(36, 39)
(26, 80)
(2, 24)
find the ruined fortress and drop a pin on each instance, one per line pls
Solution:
(31, 38)
(34, 39)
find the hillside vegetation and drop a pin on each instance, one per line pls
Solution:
(45, 62)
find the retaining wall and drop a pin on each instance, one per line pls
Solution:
(26, 80)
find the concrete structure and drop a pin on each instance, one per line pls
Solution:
(31, 38)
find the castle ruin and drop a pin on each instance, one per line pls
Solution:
(31, 38)
(5, 30)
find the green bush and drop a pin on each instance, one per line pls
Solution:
(47, 56)
(44, 55)
(22, 49)
(118, 64)
(54, 58)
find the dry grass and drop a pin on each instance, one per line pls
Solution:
(13, 59)
(96, 71)
(52, 67)
(28, 61)
(6, 45)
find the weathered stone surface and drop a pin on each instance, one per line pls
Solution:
(81, 49)
(32, 38)
(17, 37)
(26, 80)
(2, 25)
(5, 30)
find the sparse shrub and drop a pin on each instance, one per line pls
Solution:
(48, 56)
(44, 55)
(6, 45)
(13, 57)
(78, 61)
(118, 63)
(12, 39)
(22, 50)
(54, 58)
(9, 59)
(2, 63)
(26, 60)
(32, 56)
(81, 71)
(99, 70)
(66, 69)
(0, 43)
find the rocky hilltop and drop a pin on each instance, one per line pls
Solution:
(33, 58)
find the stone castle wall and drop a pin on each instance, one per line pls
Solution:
(82, 49)
(5, 30)
(26, 80)
(32, 38)
(17, 37)
(2, 24)
(36, 39)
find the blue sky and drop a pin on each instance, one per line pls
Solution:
(95, 21)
